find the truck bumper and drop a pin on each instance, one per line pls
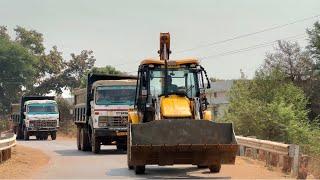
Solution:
(35, 129)
(103, 132)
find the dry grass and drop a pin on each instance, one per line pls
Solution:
(68, 129)
(314, 167)
(4, 125)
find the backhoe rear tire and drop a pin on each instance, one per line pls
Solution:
(139, 169)
(201, 167)
(215, 168)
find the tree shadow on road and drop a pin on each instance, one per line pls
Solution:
(75, 152)
(157, 172)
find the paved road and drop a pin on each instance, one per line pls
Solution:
(67, 162)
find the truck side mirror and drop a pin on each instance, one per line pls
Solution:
(208, 85)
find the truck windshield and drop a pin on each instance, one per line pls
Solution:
(42, 109)
(115, 95)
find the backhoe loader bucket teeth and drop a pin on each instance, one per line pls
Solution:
(182, 141)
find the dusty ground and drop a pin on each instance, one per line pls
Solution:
(67, 162)
(25, 161)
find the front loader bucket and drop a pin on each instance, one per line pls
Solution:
(182, 141)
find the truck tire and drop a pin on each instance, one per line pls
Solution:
(85, 146)
(78, 138)
(215, 168)
(53, 135)
(139, 169)
(122, 144)
(45, 137)
(121, 147)
(95, 144)
(25, 134)
(19, 133)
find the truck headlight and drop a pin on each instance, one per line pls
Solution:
(102, 124)
(103, 121)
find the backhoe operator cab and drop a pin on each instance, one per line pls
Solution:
(183, 94)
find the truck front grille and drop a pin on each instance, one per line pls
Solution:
(43, 123)
(114, 121)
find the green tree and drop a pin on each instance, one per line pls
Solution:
(26, 68)
(295, 63)
(103, 70)
(3, 32)
(30, 39)
(314, 49)
(16, 71)
(314, 40)
(77, 67)
(298, 66)
(271, 107)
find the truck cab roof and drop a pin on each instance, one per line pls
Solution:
(40, 102)
(123, 82)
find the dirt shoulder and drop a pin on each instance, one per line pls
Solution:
(24, 163)
(63, 136)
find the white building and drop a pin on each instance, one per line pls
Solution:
(218, 97)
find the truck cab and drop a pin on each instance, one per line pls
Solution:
(111, 102)
(39, 117)
(101, 111)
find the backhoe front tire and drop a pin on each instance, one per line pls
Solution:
(139, 169)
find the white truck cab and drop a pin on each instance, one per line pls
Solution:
(39, 116)
(101, 111)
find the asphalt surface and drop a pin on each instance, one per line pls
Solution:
(67, 162)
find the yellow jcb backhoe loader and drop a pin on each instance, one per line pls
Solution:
(170, 123)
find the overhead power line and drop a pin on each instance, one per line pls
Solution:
(249, 48)
(233, 38)
(248, 34)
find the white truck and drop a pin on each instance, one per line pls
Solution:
(39, 116)
(101, 111)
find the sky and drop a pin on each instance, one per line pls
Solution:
(122, 33)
